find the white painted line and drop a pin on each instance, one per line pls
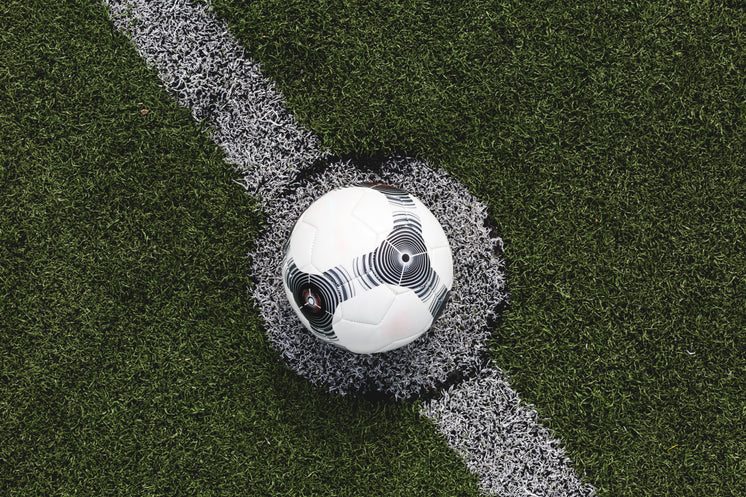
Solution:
(206, 69)
(501, 439)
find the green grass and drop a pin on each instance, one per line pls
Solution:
(609, 140)
(132, 361)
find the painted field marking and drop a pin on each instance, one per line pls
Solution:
(481, 418)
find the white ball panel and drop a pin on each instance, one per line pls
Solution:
(346, 225)
(405, 319)
(409, 317)
(369, 307)
(374, 211)
(301, 246)
(359, 338)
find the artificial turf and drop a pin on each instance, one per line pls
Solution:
(132, 361)
(608, 139)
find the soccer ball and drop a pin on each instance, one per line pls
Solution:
(367, 268)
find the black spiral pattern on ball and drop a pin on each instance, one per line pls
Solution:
(396, 197)
(316, 296)
(402, 258)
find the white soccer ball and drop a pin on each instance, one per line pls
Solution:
(367, 268)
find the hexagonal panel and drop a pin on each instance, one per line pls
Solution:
(346, 225)
(377, 319)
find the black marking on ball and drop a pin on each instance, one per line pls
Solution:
(316, 296)
(400, 260)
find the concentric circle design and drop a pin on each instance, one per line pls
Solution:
(410, 253)
(315, 296)
(313, 301)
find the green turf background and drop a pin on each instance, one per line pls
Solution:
(608, 139)
(132, 361)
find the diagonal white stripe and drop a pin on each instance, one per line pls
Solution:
(207, 71)
(482, 419)
(501, 440)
